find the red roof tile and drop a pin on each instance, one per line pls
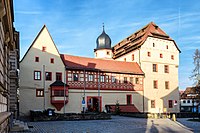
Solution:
(76, 62)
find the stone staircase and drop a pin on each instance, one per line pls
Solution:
(19, 126)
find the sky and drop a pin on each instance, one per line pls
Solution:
(75, 24)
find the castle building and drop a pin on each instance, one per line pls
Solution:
(140, 73)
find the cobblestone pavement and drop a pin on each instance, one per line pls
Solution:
(194, 126)
(117, 124)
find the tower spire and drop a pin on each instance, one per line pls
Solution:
(103, 26)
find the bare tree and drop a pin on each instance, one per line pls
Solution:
(196, 71)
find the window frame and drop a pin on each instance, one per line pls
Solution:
(50, 79)
(133, 57)
(170, 103)
(129, 99)
(167, 85)
(90, 77)
(125, 80)
(155, 84)
(113, 79)
(161, 55)
(52, 60)
(149, 54)
(60, 75)
(166, 68)
(39, 94)
(75, 79)
(155, 67)
(37, 59)
(102, 78)
(137, 80)
(44, 48)
(36, 77)
(153, 103)
(172, 57)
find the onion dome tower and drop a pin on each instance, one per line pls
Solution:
(103, 49)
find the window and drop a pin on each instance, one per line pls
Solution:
(36, 59)
(75, 76)
(113, 78)
(102, 78)
(153, 104)
(184, 101)
(167, 47)
(149, 54)
(170, 103)
(37, 75)
(107, 78)
(90, 77)
(124, 59)
(166, 84)
(133, 57)
(136, 80)
(48, 76)
(166, 69)
(59, 76)
(153, 44)
(172, 57)
(188, 101)
(108, 53)
(131, 80)
(155, 84)
(44, 49)
(52, 60)
(161, 55)
(128, 99)
(155, 68)
(125, 80)
(58, 93)
(39, 92)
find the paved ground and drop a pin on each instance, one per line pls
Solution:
(194, 126)
(116, 125)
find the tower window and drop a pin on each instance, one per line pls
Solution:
(108, 53)
(167, 47)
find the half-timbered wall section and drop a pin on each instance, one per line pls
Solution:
(91, 80)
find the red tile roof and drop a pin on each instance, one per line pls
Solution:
(76, 62)
(138, 38)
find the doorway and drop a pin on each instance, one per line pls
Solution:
(93, 104)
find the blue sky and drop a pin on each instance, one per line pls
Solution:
(75, 24)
